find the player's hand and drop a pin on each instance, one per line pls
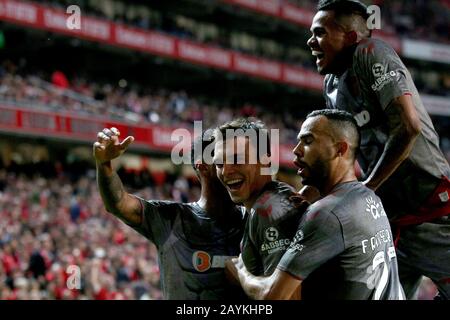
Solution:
(310, 194)
(107, 147)
(231, 271)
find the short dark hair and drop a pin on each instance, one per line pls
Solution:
(247, 124)
(200, 143)
(344, 6)
(343, 124)
(348, 9)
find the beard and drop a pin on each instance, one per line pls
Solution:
(318, 174)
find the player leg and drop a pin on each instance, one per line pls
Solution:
(425, 250)
(410, 279)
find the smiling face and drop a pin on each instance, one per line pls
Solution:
(314, 152)
(241, 178)
(327, 41)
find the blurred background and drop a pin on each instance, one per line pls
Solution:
(147, 67)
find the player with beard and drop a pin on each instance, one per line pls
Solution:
(343, 248)
(399, 154)
(193, 239)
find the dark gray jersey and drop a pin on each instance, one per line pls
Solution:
(270, 227)
(343, 248)
(192, 249)
(376, 77)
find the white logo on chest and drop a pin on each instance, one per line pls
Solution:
(271, 234)
(362, 118)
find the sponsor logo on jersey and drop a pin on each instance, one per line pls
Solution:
(378, 70)
(274, 243)
(295, 245)
(201, 261)
(374, 208)
(275, 246)
(271, 234)
(383, 79)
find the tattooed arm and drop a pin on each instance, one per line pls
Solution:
(117, 201)
(404, 127)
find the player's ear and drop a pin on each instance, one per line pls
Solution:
(342, 148)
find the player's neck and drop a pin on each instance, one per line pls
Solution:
(338, 178)
(345, 59)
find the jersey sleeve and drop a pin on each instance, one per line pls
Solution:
(157, 219)
(381, 70)
(318, 239)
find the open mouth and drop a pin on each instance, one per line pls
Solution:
(319, 56)
(301, 167)
(234, 184)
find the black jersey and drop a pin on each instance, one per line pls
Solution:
(192, 249)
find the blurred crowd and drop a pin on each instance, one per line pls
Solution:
(162, 107)
(404, 18)
(50, 223)
(419, 19)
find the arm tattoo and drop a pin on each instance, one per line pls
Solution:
(111, 189)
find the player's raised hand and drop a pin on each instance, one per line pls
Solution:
(310, 194)
(108, 146)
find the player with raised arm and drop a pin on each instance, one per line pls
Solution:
(399, 154)
(193, 239)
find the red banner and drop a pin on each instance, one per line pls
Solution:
(296, 15)
(78, 128)
(270, 7)
(301, 16)
(116, 34)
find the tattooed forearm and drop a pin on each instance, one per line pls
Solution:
(116, 200)
(111, 189)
